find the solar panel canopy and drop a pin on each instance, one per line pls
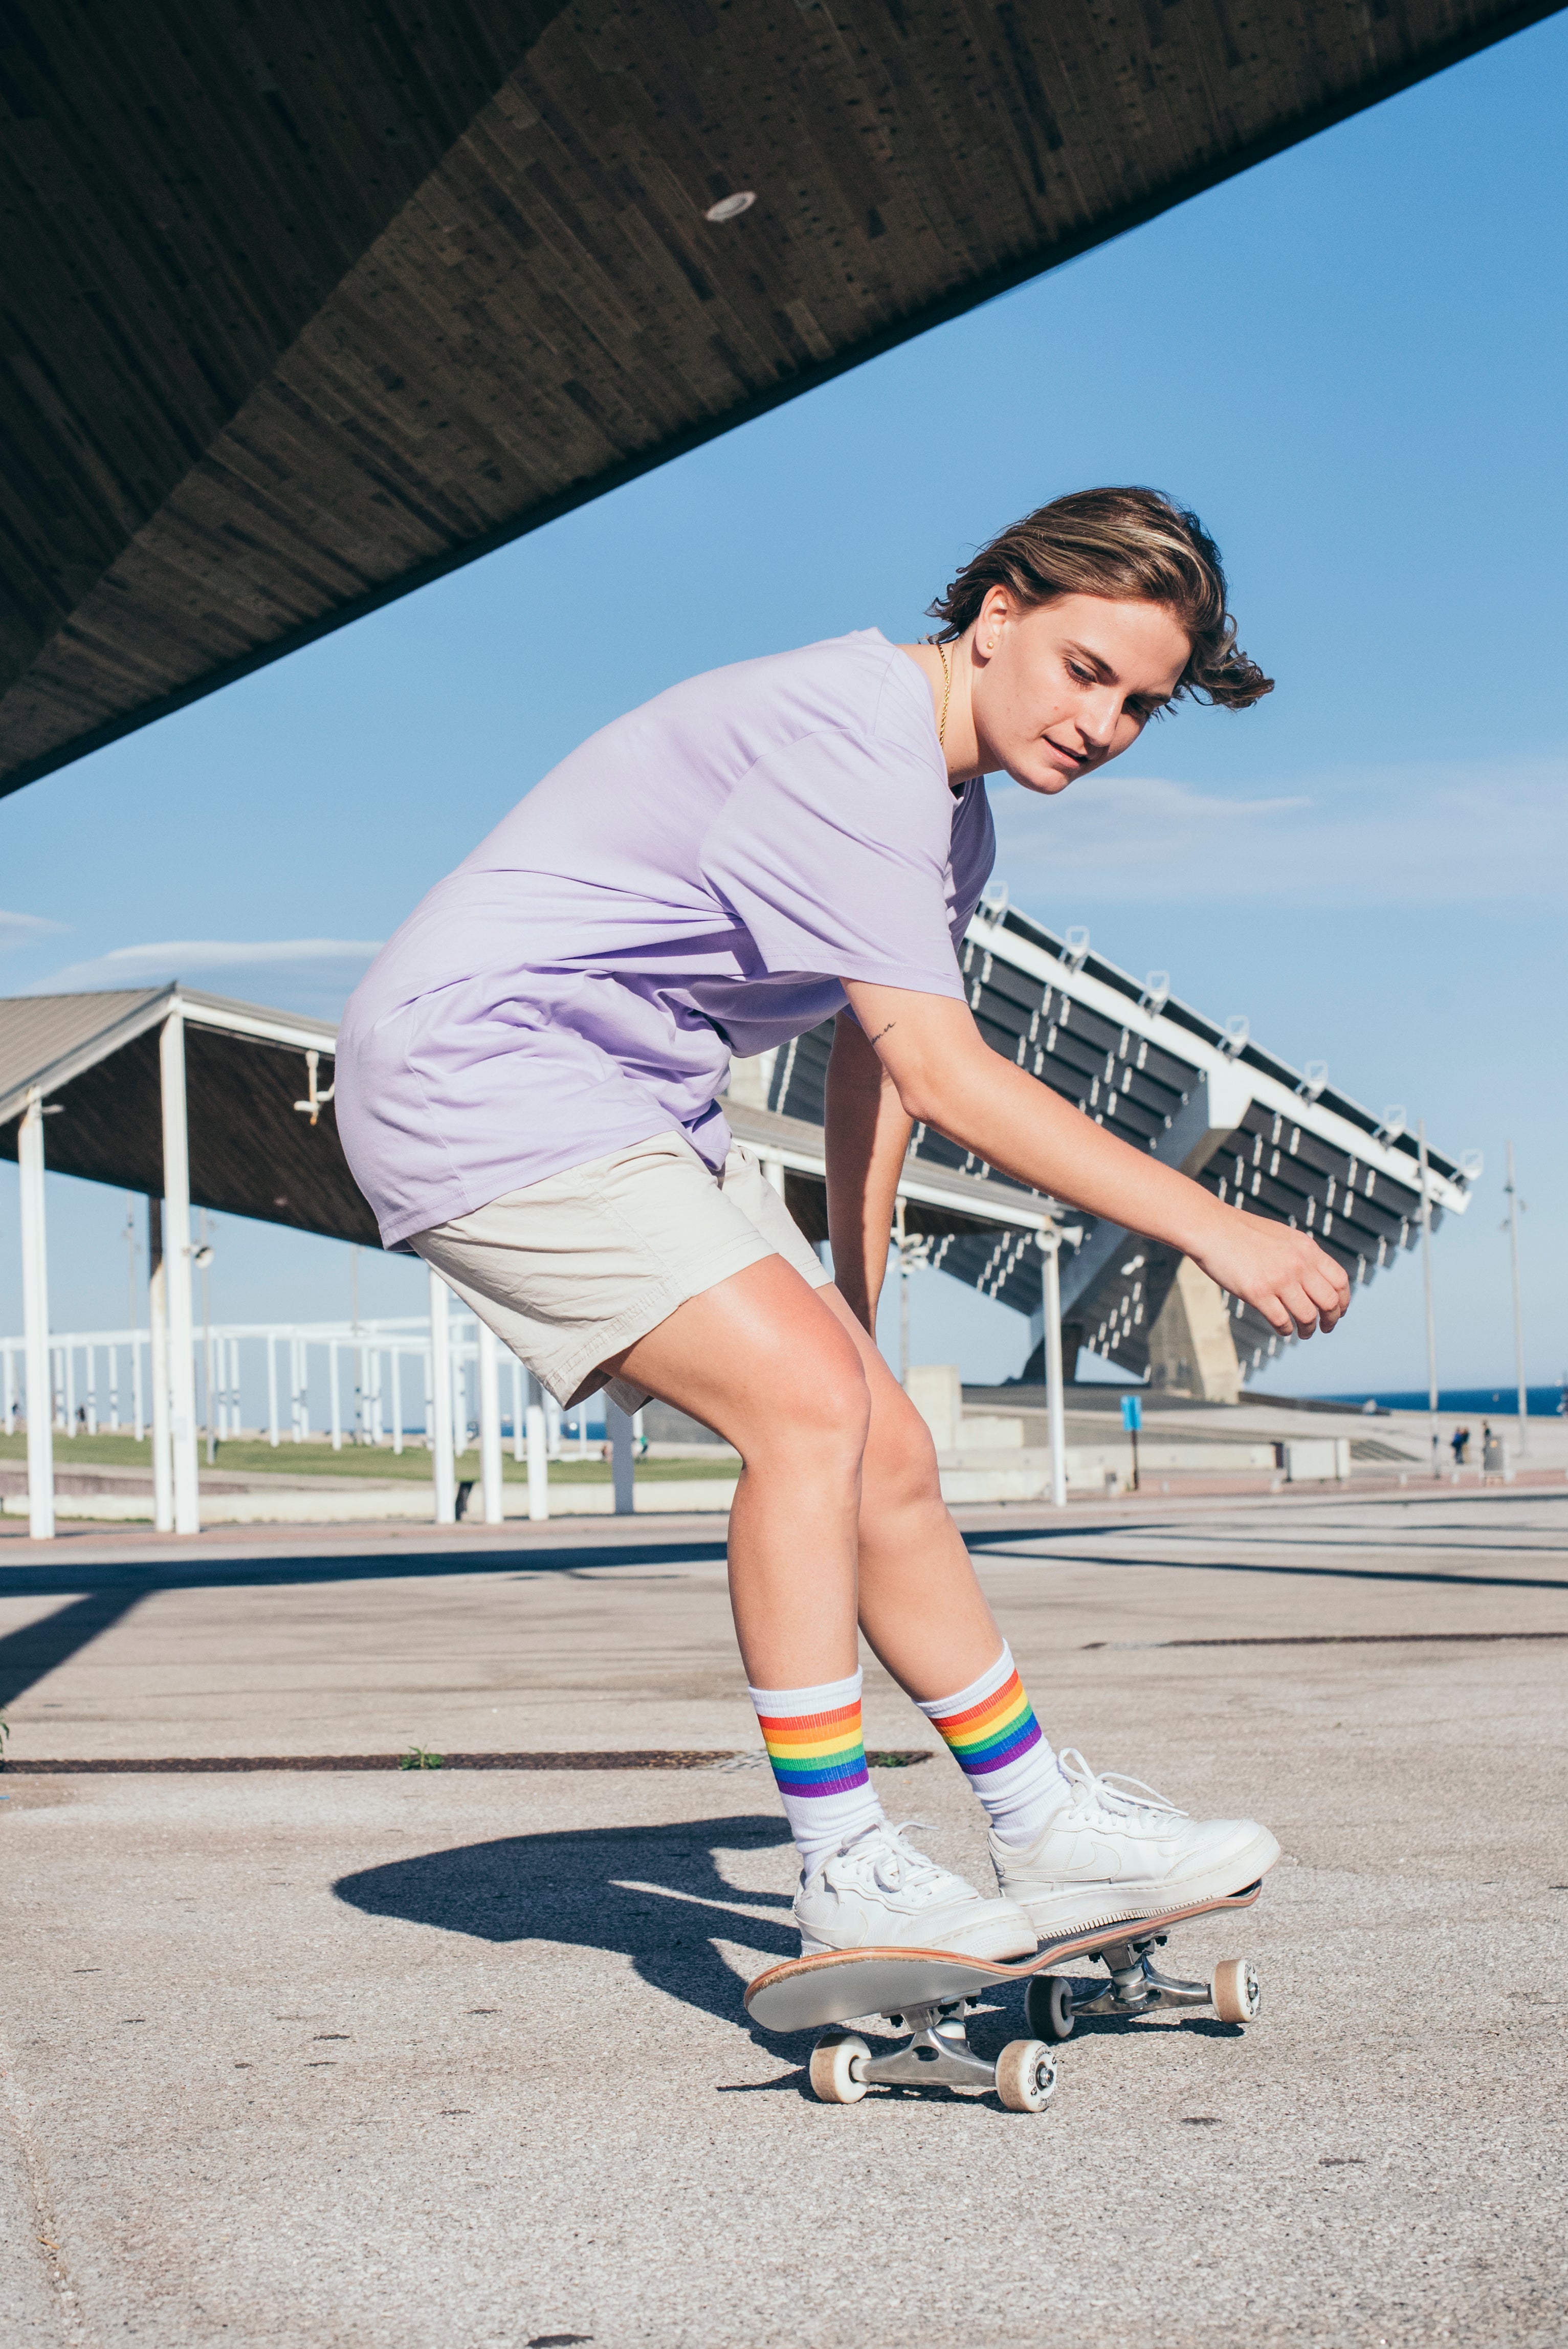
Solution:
(306, 304)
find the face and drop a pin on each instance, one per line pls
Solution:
(1059, 688)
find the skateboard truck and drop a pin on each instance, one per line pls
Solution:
(936, 2055)
(1137, 1987)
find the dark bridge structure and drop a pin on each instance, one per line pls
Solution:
(307, 304)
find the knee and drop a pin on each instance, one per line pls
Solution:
(901, 1468)
(824, 1404)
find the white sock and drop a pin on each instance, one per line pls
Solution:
(993, 1737)
(814, 1742)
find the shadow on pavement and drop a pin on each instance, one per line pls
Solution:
(653, 1894)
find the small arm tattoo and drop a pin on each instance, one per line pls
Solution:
(884, 1032)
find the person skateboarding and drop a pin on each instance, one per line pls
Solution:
(530, 1082)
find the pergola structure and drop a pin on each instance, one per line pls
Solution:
(306, 305)
(194, 1100)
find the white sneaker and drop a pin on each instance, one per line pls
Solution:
(877, 1891)
(1115, 1849)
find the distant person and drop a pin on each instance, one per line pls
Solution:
(1493, 1463)
(528, 1091)
(1458, 1443)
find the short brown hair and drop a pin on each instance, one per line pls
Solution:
(1130, 546)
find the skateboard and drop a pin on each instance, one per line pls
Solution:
(927, 1993)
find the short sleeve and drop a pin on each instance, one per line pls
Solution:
(833, 852)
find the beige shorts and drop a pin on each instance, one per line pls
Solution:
(572, 1271)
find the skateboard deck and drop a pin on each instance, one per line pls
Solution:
(928, 1992)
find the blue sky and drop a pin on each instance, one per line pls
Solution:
(1351, 361)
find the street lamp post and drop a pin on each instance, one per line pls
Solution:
(1513, 1206)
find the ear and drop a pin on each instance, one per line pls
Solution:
(991, 623)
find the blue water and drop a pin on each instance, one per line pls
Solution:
(1542, 1402)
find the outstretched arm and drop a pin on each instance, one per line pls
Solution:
(868, 1130)
(946, 1075)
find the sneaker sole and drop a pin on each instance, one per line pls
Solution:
(1082, 1909)
(995, 1943)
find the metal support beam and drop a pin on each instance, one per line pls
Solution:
(177, 1274)
(538, 1453)
(1056, 1419)
(490, 1425)
(618, 1427)
(158, 1349)
(443, 1469)
(35, 1323)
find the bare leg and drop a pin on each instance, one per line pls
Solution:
(785, 1373)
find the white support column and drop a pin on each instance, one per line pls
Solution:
(68, 1381)
(114, 1389)
(177, 1275)
(518, 1435)
(157, 1326)
(332, 1389)
(396, 1361)
(618, 1427)
(35, 1323)
(274, 1433)
(552, 1426)
(538, 1455)
(439, 1411)
(1056, 1421)
(490, 1424)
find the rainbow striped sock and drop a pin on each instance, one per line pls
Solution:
(813, 1741)
(993, 1735)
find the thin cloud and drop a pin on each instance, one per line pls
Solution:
(21, 929)
(1431, 836)
(191, 959)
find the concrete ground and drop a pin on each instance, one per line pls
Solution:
(552, 2122)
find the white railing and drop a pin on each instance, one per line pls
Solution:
(364, 1383)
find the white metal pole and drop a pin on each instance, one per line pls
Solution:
(490, 1425)
(332, 1389)
(1056, 1419)
(68, 1357)
(619, 1426)
(538, 1455)
(397, 1402)
(274, 1432)
(440, 1413)
(114, 1389)
(177, 1274)
(91, 1354)
(1427, 1278)
(157, 1343)
(552, 1426)
(35, 1323)
(1518, 1312)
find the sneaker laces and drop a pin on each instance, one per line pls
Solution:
(879, 1855)
(1110, 1792)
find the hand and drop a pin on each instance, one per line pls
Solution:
(1294, 1284)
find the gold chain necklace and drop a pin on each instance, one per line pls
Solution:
(946, 690)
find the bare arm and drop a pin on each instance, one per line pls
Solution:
(868, 1130)
(947, 1076)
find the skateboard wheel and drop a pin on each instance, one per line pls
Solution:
(1026, 2076)
(1049, 2007)
(1233, 1993)
(833, 2073)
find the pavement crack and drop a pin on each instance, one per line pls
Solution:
(44, 2227)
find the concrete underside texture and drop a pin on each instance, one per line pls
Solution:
(444, 2059)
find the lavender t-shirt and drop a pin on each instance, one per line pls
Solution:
(694, 881)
